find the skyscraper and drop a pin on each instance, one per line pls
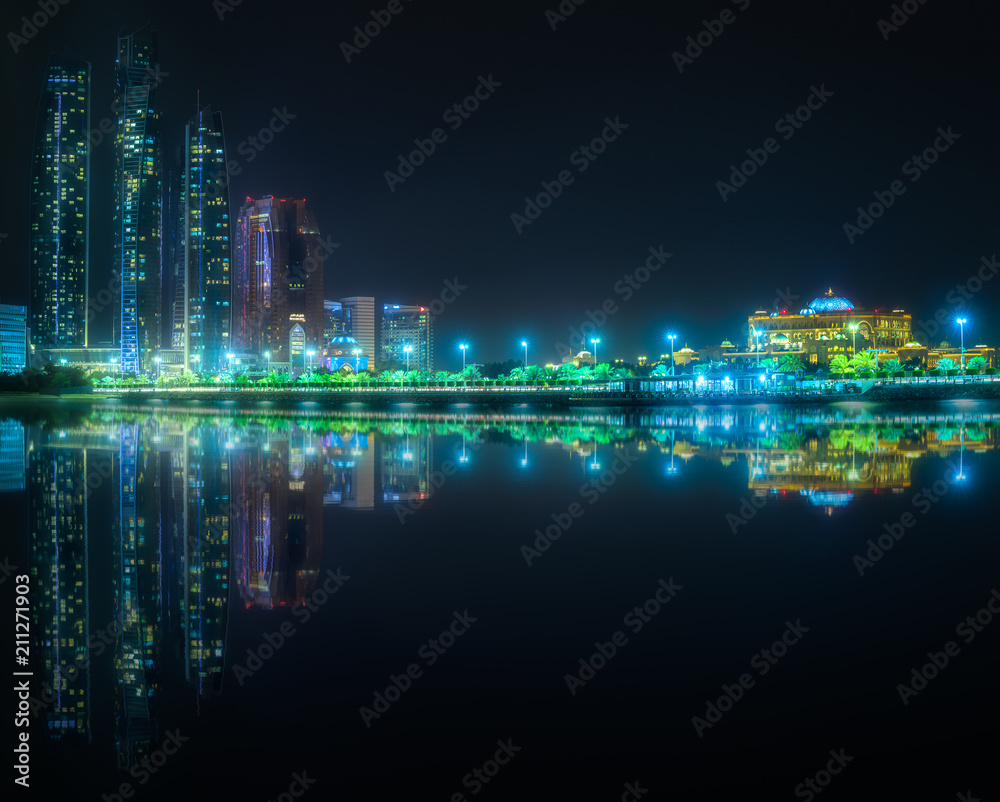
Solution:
(13, 339)
(207, 275)
(137, 199)
(410, 326)
(359, 321)
(60, 205)
(278, 302)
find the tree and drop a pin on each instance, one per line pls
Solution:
(892, 366)
(977, 363)
(534, 374)
(602, 372)
(790, 363)
(946, 364)
(863, 362)
(839, 365)
(660, 370)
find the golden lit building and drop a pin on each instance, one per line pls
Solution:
(826, 327)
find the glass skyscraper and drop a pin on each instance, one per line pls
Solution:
(404, 326)
(207, 273)
(137, 199)
(60, 205)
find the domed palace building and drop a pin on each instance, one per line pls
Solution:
(827, 326)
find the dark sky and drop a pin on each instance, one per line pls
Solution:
(655, 185)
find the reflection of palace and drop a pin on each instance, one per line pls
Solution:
(349, 472)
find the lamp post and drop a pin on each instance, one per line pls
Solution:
(961, 324)
(406, 350)
(157, 360)
(854, 338)
(757, 334)
(524, 344)
(673, 337)
(357, 357)
(463, 346)
(267, 355)
(113, 362)
(596, 341)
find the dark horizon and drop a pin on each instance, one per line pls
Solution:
(547, 93)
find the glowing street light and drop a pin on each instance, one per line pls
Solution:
(157, 360)
(756, 334)
(463, 346)
(406, 350)
(673, 337)
(357, 357)
(524, 345)
(267, 355)
(595, 341)
(854, 336)
(310, 353)
(961, 324)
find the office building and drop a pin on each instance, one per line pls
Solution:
(13, 338)
(407, 327)
(60, 205)
(359, 321)
(206, 244)
(138, 200)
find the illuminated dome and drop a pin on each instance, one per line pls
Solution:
(830, 303)
(807, 311)
(344, 340)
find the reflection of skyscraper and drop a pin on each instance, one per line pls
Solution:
(138, 591)
(60, 205)
(59, 570)
(137, 204)
(11, 455)
(277, 520)
(406, 468)
(278, 278)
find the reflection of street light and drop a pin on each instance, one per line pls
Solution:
(673, 337)
(961, 324)
(524, 460)
(595, 341)
(463, 346)
(524, 344)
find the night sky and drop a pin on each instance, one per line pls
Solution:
(654, 186)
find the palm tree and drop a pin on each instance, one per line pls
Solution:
(442, 377)
(892, 366)
(946, 364)
(839, 365)
(516, 375)
(977, 363)
(568, 372)
(863, 362)
(602, 372)
(533, 374)
(660, 370)
(790, 363)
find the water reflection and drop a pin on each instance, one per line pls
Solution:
(211, 512)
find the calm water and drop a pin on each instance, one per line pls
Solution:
(372, 601)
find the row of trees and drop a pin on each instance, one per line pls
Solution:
(865, 363)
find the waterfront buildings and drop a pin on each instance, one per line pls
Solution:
(359, 321)
(138, 199)
(278, 282)
(13, 338)
(206, 244)
(346, 354)
(407, 327)
(60, 205)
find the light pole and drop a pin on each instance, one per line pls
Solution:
(673, 337)
(406, 350)
(267, 355)
(463, 346)
(357, 359)
(854, 338)
(596, 341)
(961, 324)
(524, 344)
(310, 353)
(757, 334)
(157, 360)
(113, 362)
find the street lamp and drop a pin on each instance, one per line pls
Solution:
(463, 346)
(673, 337)
(113, 362)
(406, 350)
(357, 357)
(961, 324)
(267, 354)
(524, 345)
(310, 353)
(854, 337)
(157, 360)
(596, 341)
(756, 334)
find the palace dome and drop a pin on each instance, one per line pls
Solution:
(830, 303)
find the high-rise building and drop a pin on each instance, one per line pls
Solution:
(138, 199)
(60, 205)
(359, 321)
(333, 321)
(13, 338)
(206, 243)
(407, 327)
(278, 297)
